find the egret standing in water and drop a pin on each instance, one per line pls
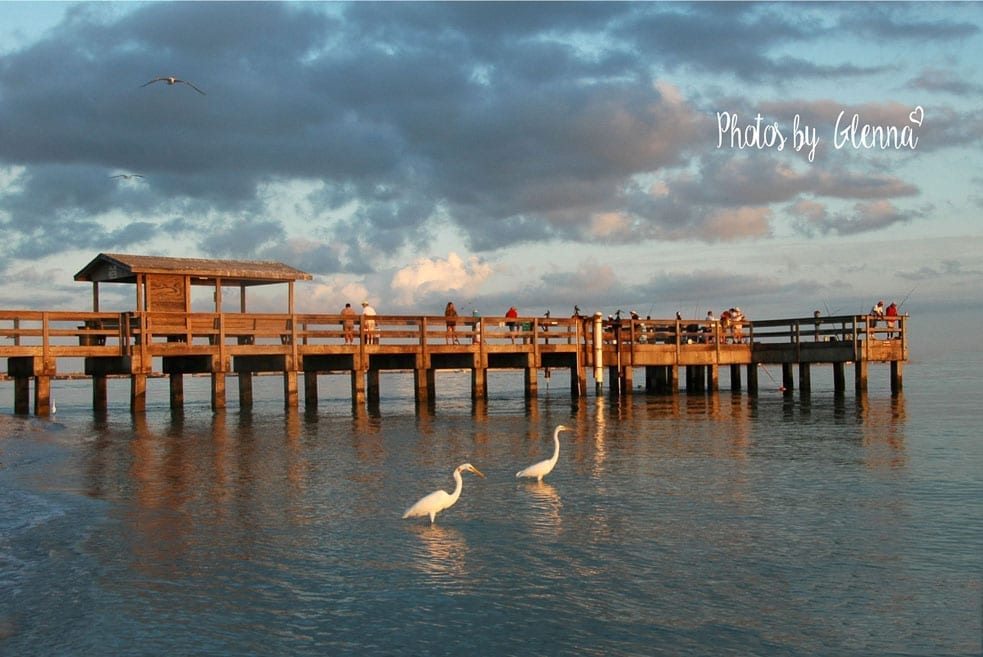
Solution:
(437, 501)
(543, 468)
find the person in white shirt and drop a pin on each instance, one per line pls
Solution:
(368, 312)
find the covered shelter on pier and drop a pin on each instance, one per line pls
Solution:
(164, 284)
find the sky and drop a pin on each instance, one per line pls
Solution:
(656, 157)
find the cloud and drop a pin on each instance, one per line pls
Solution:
(812, 218)
(430, 279)
(349, 138)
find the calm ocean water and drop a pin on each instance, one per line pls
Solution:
(697, 525)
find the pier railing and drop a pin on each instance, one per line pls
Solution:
(71, 333)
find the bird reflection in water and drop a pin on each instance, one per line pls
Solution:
(545, 505)
(441, 552)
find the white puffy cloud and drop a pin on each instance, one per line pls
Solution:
(429, 277)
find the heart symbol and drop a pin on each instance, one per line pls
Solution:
(917, 115)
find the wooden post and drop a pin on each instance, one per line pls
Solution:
(752, 378)
(805, 378)
(358, 389)
(290, 396)
(245, 389)
(310, 390)
(100, 397)
(673, 379)
(42, 395)
(651, 378)
(421, 390)
(714, 378)
(431, 384)
(614, 380)
(531, 382)
(372, 385)
(22, 395)
(177, 389)
(896, 376)
(577, 382)
(787, 378)
(479, 383)
(860, 375)
(218, 390)
(839, 380)
(138, 393)
(735, 377)
(627, 379)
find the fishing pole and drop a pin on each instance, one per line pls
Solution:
(906, 297)
(762, 366)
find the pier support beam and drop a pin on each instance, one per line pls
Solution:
(713, 378)
(839, 379)
(42, 395)
(577, 382)
(627, 380)
(138, 393)
(752, 378)
(245, 389)
(805, 378)
(421, 387)
(787, 379)
(100, 395)
(372, 386)
(218, 390)
(310, 390)
(22, 395)
(662, 379)
(735, 377)
(431, 384)
(531, 382)
(176, 380)
(358, 389)
(291, 398)
(479, 383)
(896, 376)
(860, 376)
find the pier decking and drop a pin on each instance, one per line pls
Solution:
(39, 345)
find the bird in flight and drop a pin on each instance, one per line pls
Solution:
(172, 80)
(127, 176)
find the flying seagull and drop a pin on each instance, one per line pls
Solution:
(173, 80)
(127, 176)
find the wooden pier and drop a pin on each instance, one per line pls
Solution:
(144, 344)
(165, 336)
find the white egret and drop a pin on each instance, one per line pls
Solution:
(543, 468)
(437, 501)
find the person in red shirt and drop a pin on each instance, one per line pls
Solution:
(892, 311)
(513, 325)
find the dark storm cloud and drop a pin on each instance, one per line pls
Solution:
(513, 122)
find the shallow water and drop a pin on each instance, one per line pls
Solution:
(698, 525)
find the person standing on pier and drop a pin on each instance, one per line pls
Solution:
(736, 319)
(891, 313)
(348, 323)
(368, 323)
(450, 312)
(510, 319)
(876, 311)
(710, 328)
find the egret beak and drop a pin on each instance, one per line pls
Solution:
(477, 472)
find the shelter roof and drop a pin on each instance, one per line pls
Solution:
(124, 268)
